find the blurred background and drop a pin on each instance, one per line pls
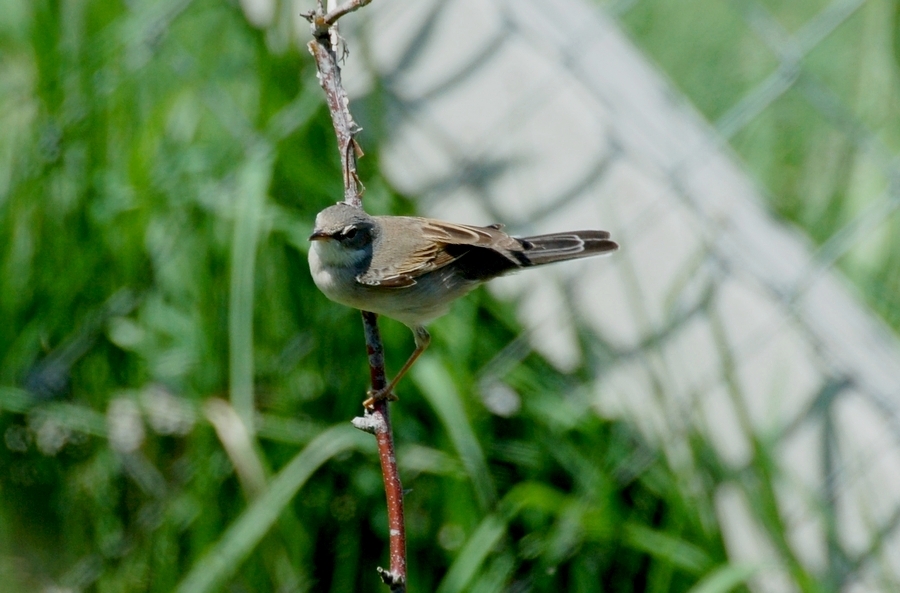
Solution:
(713, 408)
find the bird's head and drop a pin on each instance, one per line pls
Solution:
(343, 234)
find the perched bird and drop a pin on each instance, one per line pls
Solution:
(411, 269)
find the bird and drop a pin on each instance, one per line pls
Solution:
(411, 268)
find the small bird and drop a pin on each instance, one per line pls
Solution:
(411, 269)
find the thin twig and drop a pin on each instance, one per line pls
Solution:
(332, 17)
(377, 420)
(381, 426)
(329, 75)
(322, 22)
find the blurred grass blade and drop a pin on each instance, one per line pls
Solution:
(492, 528)
(435, 382)
(13, 399)
(496, 575)
(473, 554)
(297, 113)
(238, 445)
(533, 495)
(252, 186)
(725, 578)
(71, 416)
(227, 555)
(664, 546)
(75, 417)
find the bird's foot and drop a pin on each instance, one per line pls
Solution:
(377, 396)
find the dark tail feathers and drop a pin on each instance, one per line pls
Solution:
(546, 249)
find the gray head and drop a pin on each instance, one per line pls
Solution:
(346, 224)
(343, 235)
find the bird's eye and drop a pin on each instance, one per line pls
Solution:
(349, 232)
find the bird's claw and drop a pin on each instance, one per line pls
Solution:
(377, 396)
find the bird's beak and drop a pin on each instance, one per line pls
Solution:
(318, 236)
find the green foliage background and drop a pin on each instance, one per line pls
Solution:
(160, 167)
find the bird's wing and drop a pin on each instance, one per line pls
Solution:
(422, 245)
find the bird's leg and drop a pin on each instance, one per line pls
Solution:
(423, 338)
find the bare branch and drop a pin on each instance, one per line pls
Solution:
(380, 421)
(332, 17)
(323, 22)
(329, 75)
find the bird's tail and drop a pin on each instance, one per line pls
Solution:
(546, 249)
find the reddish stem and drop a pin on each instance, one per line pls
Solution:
(380, 420)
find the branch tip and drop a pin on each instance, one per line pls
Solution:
(320, 21)
(396, 582)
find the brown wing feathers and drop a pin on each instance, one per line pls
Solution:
(479, 253)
